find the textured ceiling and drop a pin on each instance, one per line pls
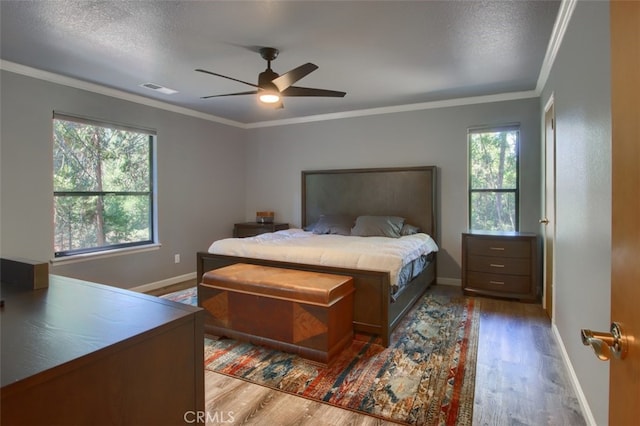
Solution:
(382, 53)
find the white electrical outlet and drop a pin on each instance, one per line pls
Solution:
(176, 258)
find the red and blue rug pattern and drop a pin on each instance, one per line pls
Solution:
(425, 377)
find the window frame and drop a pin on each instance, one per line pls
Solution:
(516, 191)
(151, 193)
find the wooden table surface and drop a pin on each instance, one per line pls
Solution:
(73, 326)
(71, 319)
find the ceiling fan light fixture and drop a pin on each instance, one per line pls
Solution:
(272, 87)
(269, 97)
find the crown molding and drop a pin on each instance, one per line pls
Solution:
(559, 28)
(399, 108)
(108, 91)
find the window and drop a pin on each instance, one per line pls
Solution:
(103, 186)
(493, 178)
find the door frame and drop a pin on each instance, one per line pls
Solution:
(549, 297)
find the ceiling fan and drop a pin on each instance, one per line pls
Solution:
(272, 87)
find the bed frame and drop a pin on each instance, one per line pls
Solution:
(409, 192)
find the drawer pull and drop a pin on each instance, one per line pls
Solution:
(496, 265)
(497, 248)
(497, 282)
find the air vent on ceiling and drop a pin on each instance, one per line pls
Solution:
(158, 88)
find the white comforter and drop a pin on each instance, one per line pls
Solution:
(298, 246)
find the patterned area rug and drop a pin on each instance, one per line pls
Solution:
(425, 377)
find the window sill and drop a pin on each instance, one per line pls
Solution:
(103, 254)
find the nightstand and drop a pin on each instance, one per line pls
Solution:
(501, 264)
(250, 229)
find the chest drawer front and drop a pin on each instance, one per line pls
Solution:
(500, 265)
(499, 283)
(250, 232)
(498, 247)
(242, 230)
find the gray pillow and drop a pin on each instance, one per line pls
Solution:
(334, 224)
(409, 229)
(378, 226)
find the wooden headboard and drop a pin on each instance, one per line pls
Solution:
(409, 192)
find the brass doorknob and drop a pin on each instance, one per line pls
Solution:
(544, 221)
(606, 344)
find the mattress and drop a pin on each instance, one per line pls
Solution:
(402, 257)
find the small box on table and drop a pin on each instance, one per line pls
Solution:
(24, 274)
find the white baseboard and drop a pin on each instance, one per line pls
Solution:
(449, 281)
(164, 283)
(584, 405)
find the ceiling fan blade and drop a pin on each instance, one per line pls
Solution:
(251, 92)
(227, 77)
(308, 91)
(290, 77)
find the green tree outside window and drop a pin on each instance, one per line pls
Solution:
(493, 179)
(103, 186)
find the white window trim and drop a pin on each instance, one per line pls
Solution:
(83, 257)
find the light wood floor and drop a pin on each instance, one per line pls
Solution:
(520, 376)
(520, 380)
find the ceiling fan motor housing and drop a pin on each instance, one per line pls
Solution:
(266, 77)
(269, 53)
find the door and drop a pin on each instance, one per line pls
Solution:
(624, 376)
(549, 220)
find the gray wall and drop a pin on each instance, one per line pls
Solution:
(211, 175)
(277, 155)
(201, 173)
(580, 83)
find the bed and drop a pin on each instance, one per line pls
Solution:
(409, 193)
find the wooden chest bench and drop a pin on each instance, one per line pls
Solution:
(306, 313)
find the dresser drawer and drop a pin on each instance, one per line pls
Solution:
(251, 229)
(242, 232)
(499, 265)
(498, 247)
(499, 283)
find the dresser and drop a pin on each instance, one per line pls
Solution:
(78, 353)
(501, 264)
(250, 229)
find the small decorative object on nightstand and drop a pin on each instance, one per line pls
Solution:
(250, 229)
(265, 217)
(502, 264)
